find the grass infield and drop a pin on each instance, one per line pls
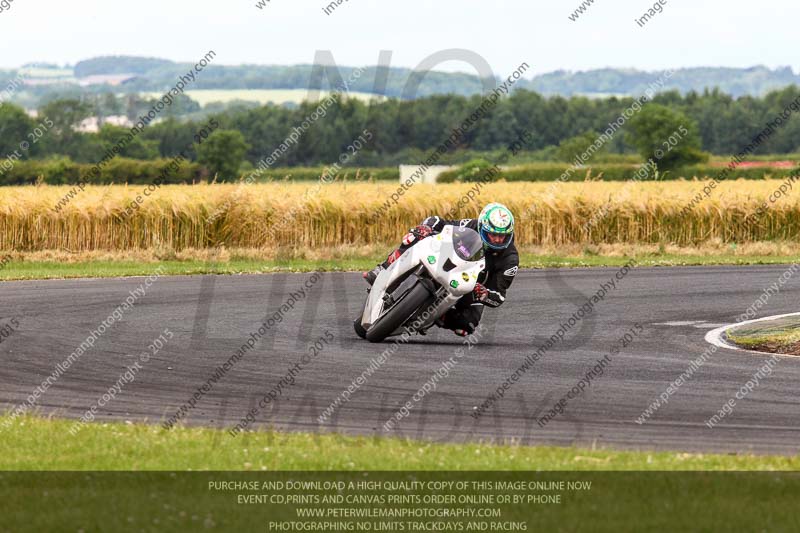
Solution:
(34, 443)
(103, 268)
(780, 336)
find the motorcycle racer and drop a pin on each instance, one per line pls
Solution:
(495, 225)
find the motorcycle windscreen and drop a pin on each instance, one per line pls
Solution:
(467, 244)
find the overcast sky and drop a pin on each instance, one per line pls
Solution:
(504, 32)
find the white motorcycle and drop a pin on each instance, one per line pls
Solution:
(422, 284)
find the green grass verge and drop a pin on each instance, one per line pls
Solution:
(106, 269)
(19, 270)
(775, 336)
(33, 443)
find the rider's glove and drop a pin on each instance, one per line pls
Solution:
(487, 297)
(480, 292)
(420, 232)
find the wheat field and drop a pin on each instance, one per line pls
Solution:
(182, 217)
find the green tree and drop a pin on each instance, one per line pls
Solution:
(668, 137)
(136, 148)
(66, 114)
(63, 138)
(15, 125)
(172, 137)
(569, 149)
(108, 104)
(222, 153)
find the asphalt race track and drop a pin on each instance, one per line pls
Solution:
(212, 316)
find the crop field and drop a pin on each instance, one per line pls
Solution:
(343, 214)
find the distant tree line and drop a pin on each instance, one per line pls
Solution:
(153, 74)
(407, 130)
(734, 81)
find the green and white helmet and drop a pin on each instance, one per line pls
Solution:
(496, 226)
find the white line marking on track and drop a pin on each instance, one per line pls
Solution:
(716, 336)
(700, 324)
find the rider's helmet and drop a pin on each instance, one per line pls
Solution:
(496, 226)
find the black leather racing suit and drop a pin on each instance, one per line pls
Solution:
(501, 267)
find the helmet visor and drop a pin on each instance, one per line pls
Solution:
(497, 241)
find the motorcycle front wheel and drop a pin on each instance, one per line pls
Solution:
(399, 313)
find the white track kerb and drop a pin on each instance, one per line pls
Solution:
(717, 336)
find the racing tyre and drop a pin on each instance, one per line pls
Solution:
(399, 313)
(360, 331)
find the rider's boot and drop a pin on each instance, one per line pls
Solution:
(372, 275)
(458, 331)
